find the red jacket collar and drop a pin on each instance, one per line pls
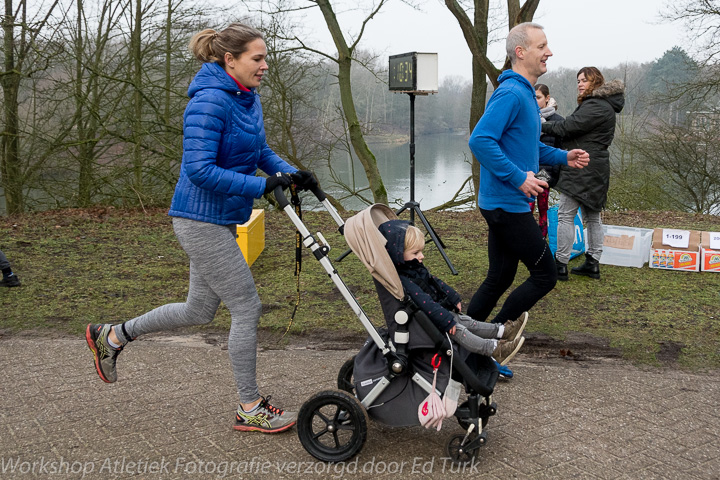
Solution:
(242, 87)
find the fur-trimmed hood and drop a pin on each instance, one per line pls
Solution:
(612, 91)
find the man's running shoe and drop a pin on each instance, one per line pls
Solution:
(264, 418)
(514, 328)
(504, 372)
(96, 335)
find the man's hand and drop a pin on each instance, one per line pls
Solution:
(533, 186)
(578, 158)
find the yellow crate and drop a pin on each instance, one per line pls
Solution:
(251, 236)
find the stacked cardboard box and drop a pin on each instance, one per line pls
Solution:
(710, 252)
(665, 252)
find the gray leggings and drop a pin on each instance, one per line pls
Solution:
(218, 271)
(478, 337)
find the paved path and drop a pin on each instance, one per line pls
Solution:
(170, 416)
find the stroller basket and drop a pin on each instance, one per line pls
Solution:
(332, 424)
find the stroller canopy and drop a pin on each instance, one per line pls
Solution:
(364, 238)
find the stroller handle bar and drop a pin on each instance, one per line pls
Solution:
(284, 202)
(322, 198)
(320, 252)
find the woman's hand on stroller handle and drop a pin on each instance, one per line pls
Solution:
(304, 180)
(282, 198)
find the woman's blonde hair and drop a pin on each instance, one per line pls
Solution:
(414, 238)
(211, 46)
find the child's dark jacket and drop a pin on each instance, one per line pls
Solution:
(428, 292)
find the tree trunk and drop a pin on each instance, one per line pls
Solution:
(477, 108)
(357, 139)
(84, 155)
(476, 35)
(136, 52)
(12, 181)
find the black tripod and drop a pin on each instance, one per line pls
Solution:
(414, 206)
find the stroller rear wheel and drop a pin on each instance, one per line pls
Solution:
(345, 376)
(332, 426)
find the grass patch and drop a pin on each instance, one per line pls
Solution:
(108, 265)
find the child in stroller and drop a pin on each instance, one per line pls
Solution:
(441, 303)
(393, 372)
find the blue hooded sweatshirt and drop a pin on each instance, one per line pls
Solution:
(223, 146)
(506, 142)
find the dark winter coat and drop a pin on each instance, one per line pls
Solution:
(548, 139)
(428, 292)
(590, 127)
(552, 170)
(223, 146)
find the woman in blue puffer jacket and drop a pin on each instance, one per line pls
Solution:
(223, 146)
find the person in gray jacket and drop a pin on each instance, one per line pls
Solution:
(590, 127)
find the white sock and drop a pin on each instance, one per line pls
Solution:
(251, 410)
(112, 344)
(501, 331)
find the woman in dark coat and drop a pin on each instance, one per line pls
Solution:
(590, 127)
(548, 113)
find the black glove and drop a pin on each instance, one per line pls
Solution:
(280, 179)
(304, 179)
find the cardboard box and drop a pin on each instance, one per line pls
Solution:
(709, 258)
(251, 236)
(668, 257)
(626, 246)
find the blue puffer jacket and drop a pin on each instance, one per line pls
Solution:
(223, 146)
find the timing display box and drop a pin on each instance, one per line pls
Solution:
(710, 252)
(675, 249)
(413, 72)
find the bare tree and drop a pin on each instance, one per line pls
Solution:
(292, 118)
(477, 33)
(21, 32)
(344, 59)
(688, 159)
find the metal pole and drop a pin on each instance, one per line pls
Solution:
(412, 156)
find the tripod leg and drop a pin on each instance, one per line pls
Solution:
(440, 245)
(430, 229)
(345, 254)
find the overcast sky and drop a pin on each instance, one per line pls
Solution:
(603, 33)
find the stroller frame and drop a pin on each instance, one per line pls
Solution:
(348, 415)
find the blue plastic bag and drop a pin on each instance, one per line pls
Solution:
(578, 247)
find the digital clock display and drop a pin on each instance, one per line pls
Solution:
(402, 72)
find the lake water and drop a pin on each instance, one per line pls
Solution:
(442, 164)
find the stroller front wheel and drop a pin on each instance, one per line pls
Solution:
(458, 451)
(332, 426)
(345, 376)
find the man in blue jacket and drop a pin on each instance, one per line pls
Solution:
(506, 142)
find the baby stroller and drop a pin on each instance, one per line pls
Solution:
(392, 372)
